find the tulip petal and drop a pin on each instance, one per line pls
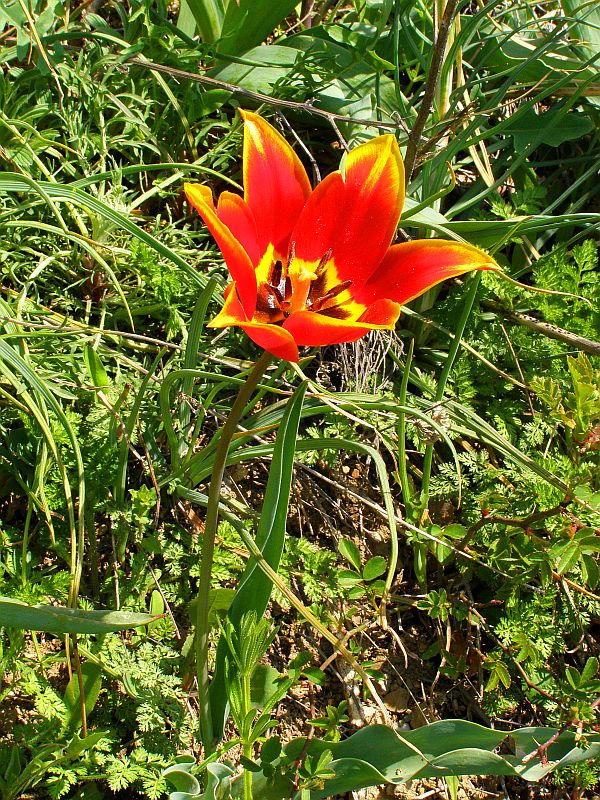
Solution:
(410, 268)
(354, 216)
(276, 185)
(237, 259)
(314, 330)
(272, 338)
(236, 214)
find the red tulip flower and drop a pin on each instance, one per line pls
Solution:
(318, 267)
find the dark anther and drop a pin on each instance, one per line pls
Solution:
(276, 271)
(320, 301)
(277, 293)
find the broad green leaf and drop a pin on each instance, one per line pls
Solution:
(585, 33)
(254, 588)
(344, 85)
(376, 755)
(487, 233)
(552, 127)
(91, 684)
(247, 23)
(61, 620)
(208, 15)
(180, 777)
(263, 685)
(186, 22)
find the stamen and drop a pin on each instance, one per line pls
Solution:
(268, 305)
(275, 277)
(320, 301)
(276, 291)
(324, 260)
(286, 301)
(291, 257)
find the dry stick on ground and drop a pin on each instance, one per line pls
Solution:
(435, 67)
(551, 331)
(258, 97)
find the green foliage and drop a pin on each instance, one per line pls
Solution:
(104, 464)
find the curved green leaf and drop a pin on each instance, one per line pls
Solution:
(61, 620)
(377, 755)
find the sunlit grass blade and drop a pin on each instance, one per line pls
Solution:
(13, 183)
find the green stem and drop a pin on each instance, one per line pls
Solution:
(441, 388)
(401, 431)
(247, 745)
(208, 546)
(433, 75)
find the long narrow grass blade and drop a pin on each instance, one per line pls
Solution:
(12, 182)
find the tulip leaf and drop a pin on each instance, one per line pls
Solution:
(208, 15)
(249, 22)
(254, 588)
(377, 755)
(61, 620)
(217, 787)
(585, 33)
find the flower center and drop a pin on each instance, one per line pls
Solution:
(298, 287)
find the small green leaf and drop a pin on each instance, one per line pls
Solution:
(374, 567)
(590, 571)
(590, 670)
(356, 592)
(350, 552)
(315, 675)
(347, 578)
(568, 558)
(573, 677)
(270, 750)
(157, 608)
(95, 368)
